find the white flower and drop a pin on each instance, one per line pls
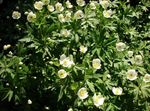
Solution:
(46, 107)
(65, 32)
(109, 76)
(138, 59)
(29, 101)
(59, 7)
(61, 18)
(96, 63)
(68, 16)
(38, 5)
(107, 13)
(5, 47)
(104, 3)
(82, 93)
(120, 46)
(70, 109)
(131, 74)
(146, 78)
(66, 61)
(68, 4)
(62, 74)
(16, 15)
(31, 17)
(98, 100)
(34, 77)
(7, 84)
(26, 13)
(83, 49)
(130, 53)
(79, 14)
(20, 63)
(10, 53)
(117, 90)
(93, 5)
(50, 8)
(45, 2)
(80, 2)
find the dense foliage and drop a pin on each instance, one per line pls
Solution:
(88, 57)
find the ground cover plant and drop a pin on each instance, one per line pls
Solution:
(78, 57)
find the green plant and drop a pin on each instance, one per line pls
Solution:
(84, 57)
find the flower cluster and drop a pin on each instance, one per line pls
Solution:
(89, 55)
(66, 61)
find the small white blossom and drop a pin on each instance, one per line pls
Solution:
(82, 93)
(79, 14)
(16, 15)
(107, 13)
(10, 53)
(83, 49)
(5, 47)
(62, 74)
(50, 8)
(34, 77)
(29, 101)
(138, 59)
(98, 100)
(70, 109)
(17, 7)
(31, 17)
(104, 3)
(120, 46)
(80, 2)
(38, 5)
(61, 18)
(46, 107)
(59, 7)
(65, 32)
(93, 5)
(68, 4)
(96, 63)
(68, 16)
(146, 78)
(131, 74)
(45, 2)
(20, 63)
(7, 84)
(130, 53)
(26, 13)
(117, 90)
(66, 61)
(109, 76)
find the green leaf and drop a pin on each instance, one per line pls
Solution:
(27, 39)
(91, 86)
(60, 93)
(16, 98)
(110, 41)
(9, 95)
(77, 38)
(74, 86)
